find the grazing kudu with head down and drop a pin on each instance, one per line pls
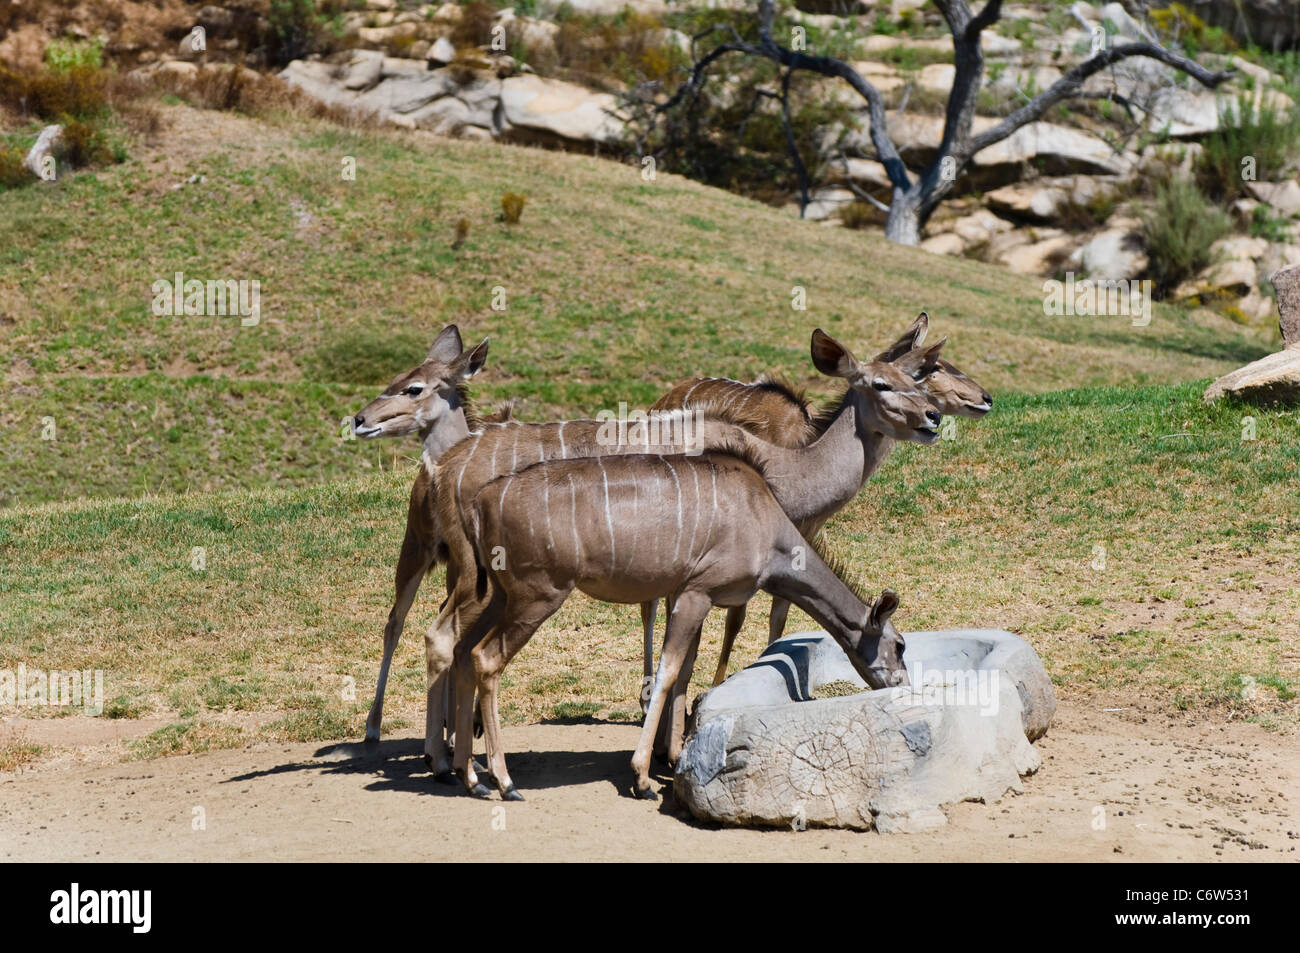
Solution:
(430, 400)
(882, 404)
(783, 417)
(702, 530)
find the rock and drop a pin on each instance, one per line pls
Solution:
(1286, 282)
(763, 751)
(977, 228)
(189, 47)
(35, 160)
(1243, 212)
(1283, 196)
(880, 75)
(1234, 277)
(442, 52)
(1239, 247)
(1272, 379)
(825, 204)
(1032, 201)
(937, 78)
(1115, 254)
(363, 69)
(949, 243)
(549, 109)
(1040, 256)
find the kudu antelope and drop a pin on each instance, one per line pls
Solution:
(702, 530)
(433, 401)
(881, 405)
(776, 412)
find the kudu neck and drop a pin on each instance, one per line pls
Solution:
(448, 432)
(818, 480)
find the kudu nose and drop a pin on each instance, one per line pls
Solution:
(988, 399)
(934, 417)
(358, 421)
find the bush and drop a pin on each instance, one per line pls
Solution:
(512, 206)
(78, 91)
(12, 171)
(1270, 136)
(83, 143)
(1179, 229)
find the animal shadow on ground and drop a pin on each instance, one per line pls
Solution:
(399, 766)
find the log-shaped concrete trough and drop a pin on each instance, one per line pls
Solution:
(764, 750)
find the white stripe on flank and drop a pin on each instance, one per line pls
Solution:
(514, 453)
(713, 472)
(546, 501)
(609, 519)
(677, 543)
(573, 520)
(691, 390)
(464, 467)
(560, 434)
(636, 521)
(695, 524)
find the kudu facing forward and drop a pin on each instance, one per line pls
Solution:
(431, 400)
(702, 530)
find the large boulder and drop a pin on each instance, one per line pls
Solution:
(765, 750)
(554, 112)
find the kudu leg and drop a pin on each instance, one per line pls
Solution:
(518, 620)
(735, 622)
(648, 612)
(464, 617)
(680, 636)
(412, 565)
(776, 621)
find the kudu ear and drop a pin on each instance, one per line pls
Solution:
(831, 357)
(884, 607)
(909, 340)
(446, 346)
(470, 363)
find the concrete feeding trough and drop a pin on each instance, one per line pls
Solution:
(764, 750)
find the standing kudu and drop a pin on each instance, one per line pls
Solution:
(881, 405)
(783, 417)
(702, 531)
(431, 400)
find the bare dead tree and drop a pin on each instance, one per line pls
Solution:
(914, 198)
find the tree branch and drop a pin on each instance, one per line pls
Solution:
(1070, 85)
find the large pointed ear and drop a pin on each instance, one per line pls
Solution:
(831, 357)
(909, 340)
(921, 360)
(884, 607)
(470, 363)
(446, 346)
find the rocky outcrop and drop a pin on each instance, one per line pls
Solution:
(470, 98)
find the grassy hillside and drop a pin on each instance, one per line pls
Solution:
(1194, 608)
(614, 287)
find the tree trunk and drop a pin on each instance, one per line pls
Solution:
(904, 223)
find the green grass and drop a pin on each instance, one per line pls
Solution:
(994, 528)
(615, 288)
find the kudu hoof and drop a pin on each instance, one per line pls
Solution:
(477, 789)
(511, 794)
(646, 794)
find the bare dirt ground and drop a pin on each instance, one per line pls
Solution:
(1168, 792)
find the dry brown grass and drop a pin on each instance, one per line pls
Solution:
(16, 750)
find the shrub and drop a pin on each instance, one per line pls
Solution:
(293, 30)
(512, 206)
(475, 26)
(1270, 136)
(1179, 229)
(83, 143)
(78, 91)
(12, 171)
(859, 215)
(62, 56)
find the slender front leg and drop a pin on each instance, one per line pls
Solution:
(463, 759)
(684, 621)
(439, 649)
(776, 621)
(735, 622)
(412, 565)
(681, 691)
(648, 612)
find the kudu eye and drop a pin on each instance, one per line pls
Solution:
(880, 385)
(414, 390)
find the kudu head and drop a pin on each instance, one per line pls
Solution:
(878, 656)
(951, 391)
(890, 401)
(425, 396)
